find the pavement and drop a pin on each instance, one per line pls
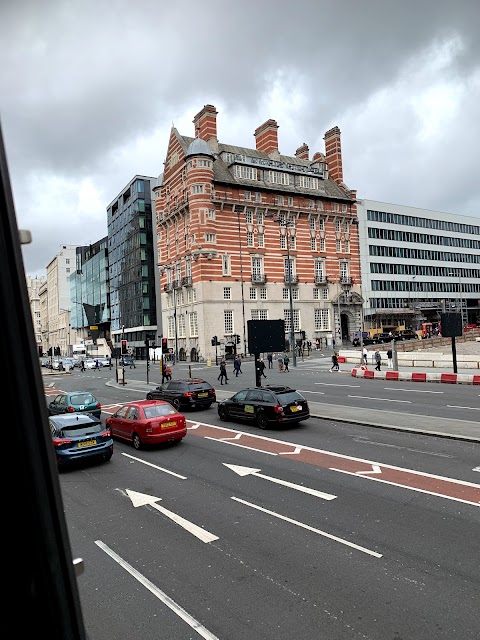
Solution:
(467, 430)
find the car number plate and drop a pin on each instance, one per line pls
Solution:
(297, 407)
(202, 395)
(87, 443)
(165, 425)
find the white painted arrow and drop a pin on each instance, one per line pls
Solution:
(375, 469)
(476, 469)
(248, 471)
(141, 499)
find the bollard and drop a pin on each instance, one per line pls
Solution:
(189, 370)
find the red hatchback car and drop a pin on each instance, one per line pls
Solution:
(147, 422)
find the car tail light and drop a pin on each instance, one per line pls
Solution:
(71, 409)
(187, 394)
(106, 434)
(98, 405)
(59, 442)
(278, 408)
(211, 391)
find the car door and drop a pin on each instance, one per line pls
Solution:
(171, 391)
(117, 424)
(131, 423)
(236, 406)
(59, 405)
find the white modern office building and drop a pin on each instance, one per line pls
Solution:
(416, 263)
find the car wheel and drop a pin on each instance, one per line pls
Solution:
(149, 396)
(137, 443)
(261, 420)
(176, 403)
(222, 412)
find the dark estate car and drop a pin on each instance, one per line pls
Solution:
(405, 334)
(273, 404)
(75, 402)
(384, 337)
(78, 437)
(190, 393)
(366, 341)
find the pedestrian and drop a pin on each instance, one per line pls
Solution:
(390, 358)
(239, 358)
(280, 362)
(335, 365)
(110, 363)
(164, 372)
(82, 365)
(378, 360)
(236, 366)
(132, 364)
(97, 364)
(261, 367)
(270, 360)
(286, 360)
(168, 372)
(365, 355)
(223, 372)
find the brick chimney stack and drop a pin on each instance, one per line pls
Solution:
(266, 137)
(302, 152)
(205, 123)
(333, 151)
(318, 157)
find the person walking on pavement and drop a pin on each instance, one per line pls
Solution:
(223, 372)
(82, 365)
(335, 365)
(378, 360)
(270, 360)
(168, 372)
(132, 364)
(236, 366)
(390, 358)
(261, 367)
(280, 362)
(365, 355)
(286, 360)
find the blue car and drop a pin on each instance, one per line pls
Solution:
(75, 402)
(80, 436)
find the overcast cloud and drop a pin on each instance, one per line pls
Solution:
(89, 90)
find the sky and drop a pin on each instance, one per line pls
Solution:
(89, 91)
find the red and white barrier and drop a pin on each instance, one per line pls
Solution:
(416, 376)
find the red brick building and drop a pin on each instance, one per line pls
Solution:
(253, 234)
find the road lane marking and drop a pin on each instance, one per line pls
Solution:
(453, 406)
(405, 486)
(155, 466)
(318, 393)
(332, 384)
(375, 469)
(249, 471)
(411, 390)
(309, 528)
(476, 469)
(381, 399)
(242, 446)
(143, 499)
(158, 593)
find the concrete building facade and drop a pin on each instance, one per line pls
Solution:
(417, 263)
(242, 231)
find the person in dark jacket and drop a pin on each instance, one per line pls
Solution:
(335, 365)
(270, 360)
(223, 372)
(261, 368)
(236, 366)
(378, 360)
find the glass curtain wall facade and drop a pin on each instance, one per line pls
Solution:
(132, 266)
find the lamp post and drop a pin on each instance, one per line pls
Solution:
(241, 284)
(169, 268)
(458, 274)
(288, 226)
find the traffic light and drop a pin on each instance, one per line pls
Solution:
(147, 343)
(214, 341)
(124, 347)
(164, 345)
(40, 350)
(237, 339)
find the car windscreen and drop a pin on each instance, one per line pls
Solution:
(159, 410)
(289, 396)
(82, 398)
(75, 431)
(200, 386)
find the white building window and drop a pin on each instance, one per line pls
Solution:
(193, 322)
(321, 224)
(247, 173)
(258, 196)
(197, 188)
(296, 320)
(313, 244)
(210, 237)
(211, 214)
(343, 269)
(249, 239)
(280, 200)
(171, 326)
(322, 320)
(249, 216)
(325, 293)
(181, 325)
(346, 246)
(344, 208)
(253, 293)
(204, 163)
(257, 266)
(247, 195)
(260, 241)
(286, 293)
(278, 178)
(337, 226)
(312, 222)
(259, 314)
(290, 201)
(338, 247)
(283, 242)
(346, 226)
(263, 293)
(316, 293)
(322, 245)
(306, 182)
(311, 204)
(228, 322)
(227, 293)
(320, 205)
(319, 266)
(335, 206)
(259, 217)
(225, 265)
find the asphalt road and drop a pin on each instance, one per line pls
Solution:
(339, 532)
